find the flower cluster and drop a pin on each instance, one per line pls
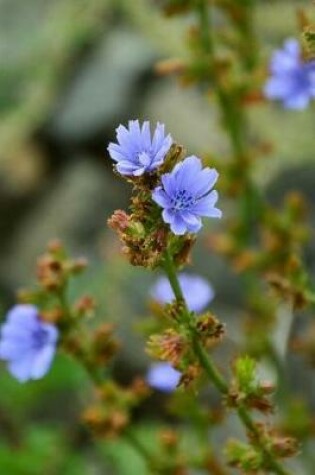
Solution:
(292, 79)
(28, 344)
(32, 329)
(184, 193)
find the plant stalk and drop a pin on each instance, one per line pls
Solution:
(211, 370)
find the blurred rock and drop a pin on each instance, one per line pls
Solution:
(104, 87)
(17, 20)
(187, 116)
(74, 209)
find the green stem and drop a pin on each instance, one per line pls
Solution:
(207, 364)
(204, 18)
(232, 117)
(234, 122)
(172, 277)
(250, 201)
(210, 369)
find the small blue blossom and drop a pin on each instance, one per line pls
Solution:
(186, 195)
(197, 292)
(292, 79)
(27, 343)
(163, 376)
(136, 153)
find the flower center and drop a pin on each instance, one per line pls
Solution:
(182, 200)
(40, 338)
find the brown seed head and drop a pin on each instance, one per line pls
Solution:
(119, 221)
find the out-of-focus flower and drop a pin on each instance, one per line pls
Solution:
(196, 290)
(27, 343)
(186, 195)
(136, 153)
(163, 376)
(292, 79)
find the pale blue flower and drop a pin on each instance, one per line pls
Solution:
(163, 376)
(186, 196)
(197, 291)
(136, 152)
(27, 343)
(292, 79)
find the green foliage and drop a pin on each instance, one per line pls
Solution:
(245, 373)
(41, 447)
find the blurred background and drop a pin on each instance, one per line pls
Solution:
(70, 72)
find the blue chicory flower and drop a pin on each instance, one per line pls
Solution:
(136, 153)
(292, 79)
(27, 343)
(197, 292)
(186, 195)
(163, 376)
